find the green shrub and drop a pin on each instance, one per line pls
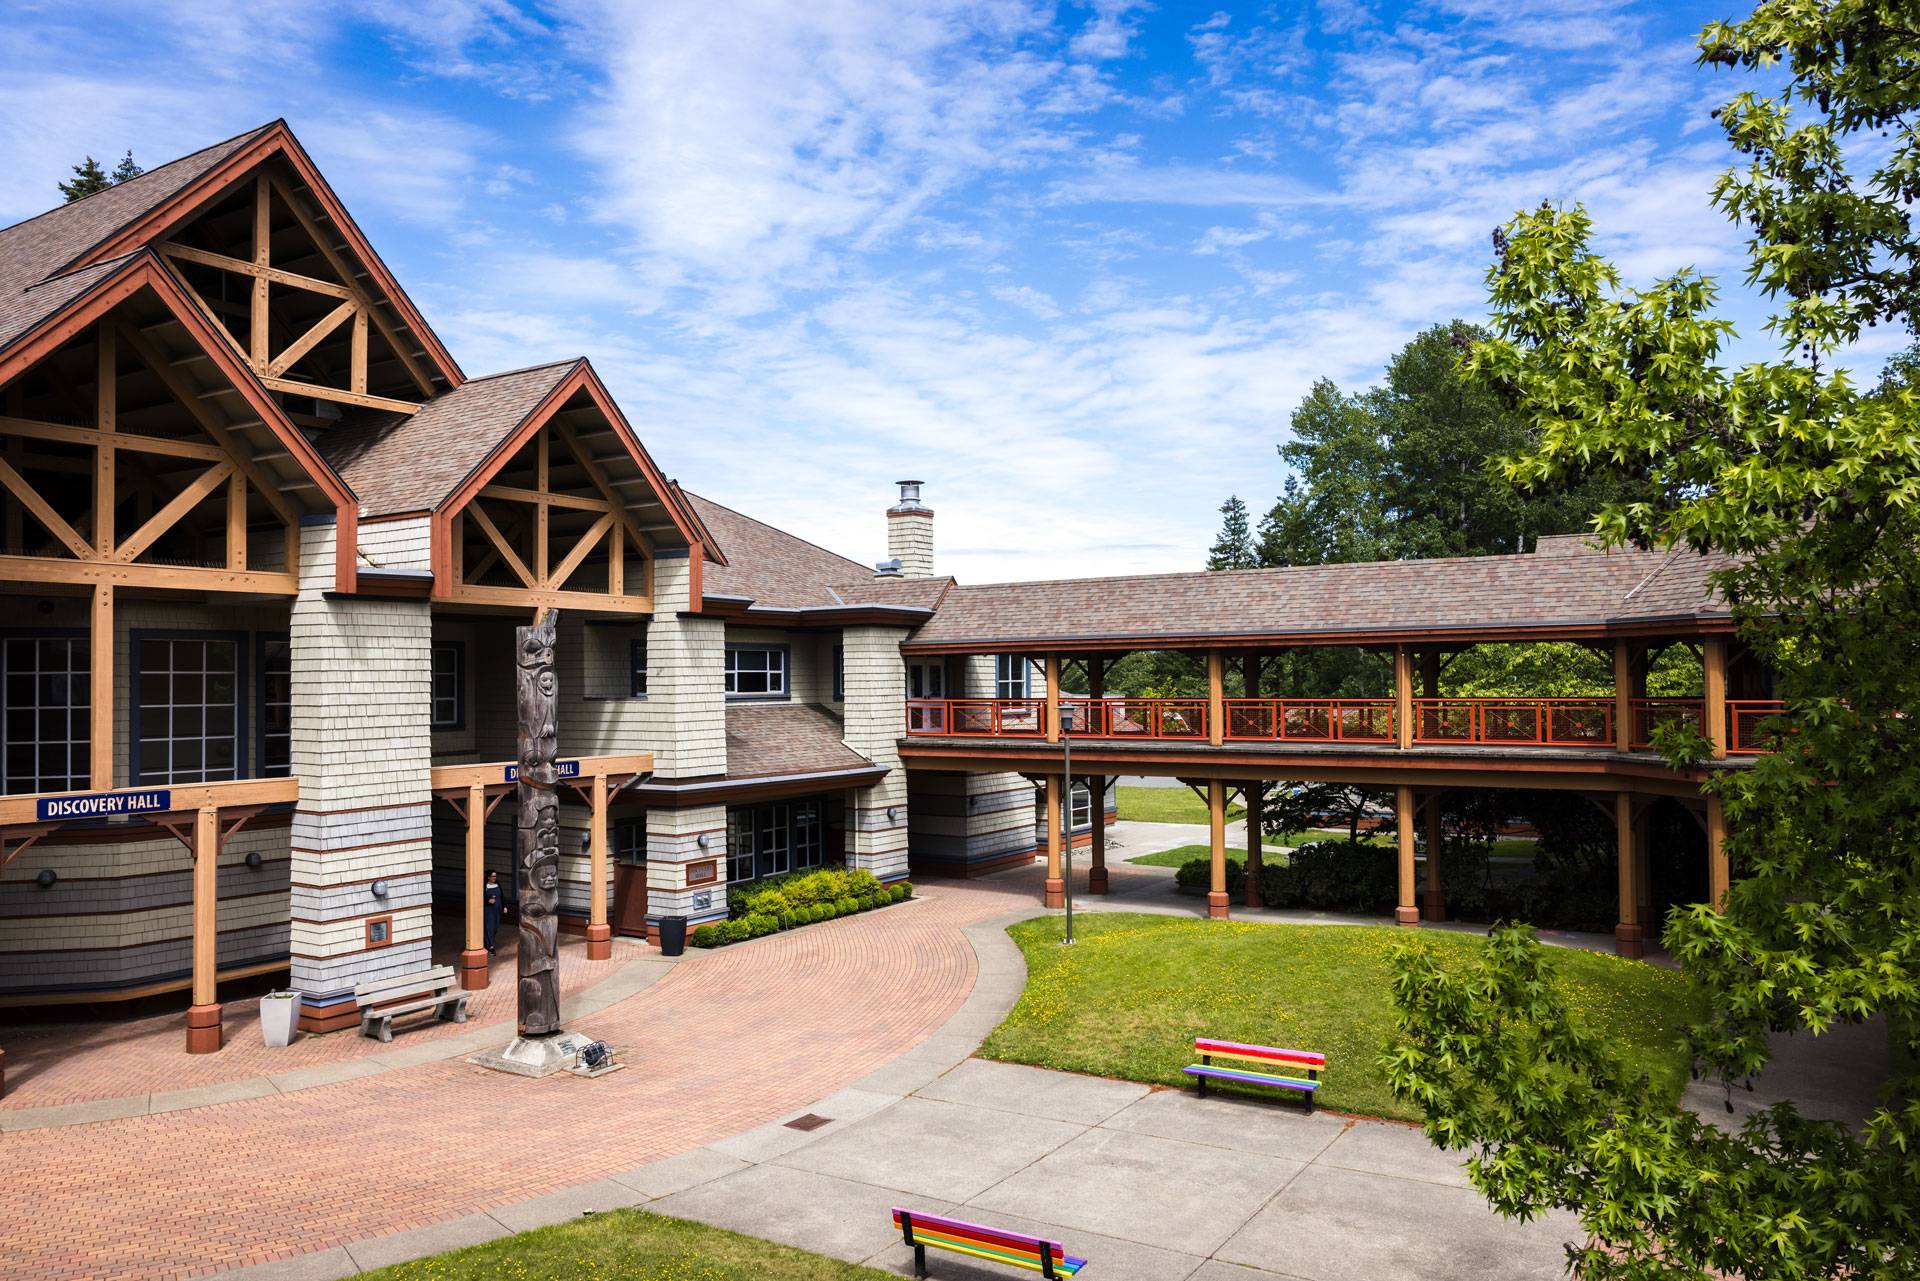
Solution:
(705, 936)
(847, 905)
(868, 902)
(786, 918)
(905, 888)
(760, 924)
(1197, 874)
(1334, 876)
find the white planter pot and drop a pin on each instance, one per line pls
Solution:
(279, 1014)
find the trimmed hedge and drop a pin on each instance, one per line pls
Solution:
(803, 898)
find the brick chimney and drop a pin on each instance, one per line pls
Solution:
(910, 533)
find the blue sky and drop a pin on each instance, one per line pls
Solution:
(1073, 265)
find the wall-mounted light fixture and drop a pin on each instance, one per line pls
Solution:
(893, 814)
(703, 840)
(380, 889)
(254, 860)
(46, 878)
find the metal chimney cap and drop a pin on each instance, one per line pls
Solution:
(887, 568)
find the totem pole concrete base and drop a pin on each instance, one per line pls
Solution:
(536, 1055)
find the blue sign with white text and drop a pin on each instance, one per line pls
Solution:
(561, 769)
(152, 800)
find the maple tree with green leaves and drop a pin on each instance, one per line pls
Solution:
(1806, 483)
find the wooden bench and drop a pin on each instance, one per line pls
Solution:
(1297, 1070)
(1048, 1258)
(384, 1000)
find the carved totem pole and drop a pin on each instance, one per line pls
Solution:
(537, 852)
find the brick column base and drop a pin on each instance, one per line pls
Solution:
(1433, 905)
(599, 942)
(1097, 880)
(1407, 915)
(1217, 904)
(473, 970)
(1056, 892)
(1629, 940)
(204, 1033)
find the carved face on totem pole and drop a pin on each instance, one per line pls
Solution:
(538, 829)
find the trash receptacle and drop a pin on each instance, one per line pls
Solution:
(279, 1015)
(673, 935)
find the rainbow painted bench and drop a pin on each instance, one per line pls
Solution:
(1297, 1070)
(921, 1231)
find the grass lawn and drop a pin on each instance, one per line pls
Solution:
(1127, 1000)
(1166, 805)
(627, 1245)
(1187, 853)
(1514, 848)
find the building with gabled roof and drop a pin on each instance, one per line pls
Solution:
(267, 544)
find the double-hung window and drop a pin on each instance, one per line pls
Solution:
(449, 685)
(757, 671)
(1082, 806)
(188, 710)
(770, 840)
(45, 730)
(1010, 676)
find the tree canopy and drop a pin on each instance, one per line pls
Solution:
(1807, 486)
(89, 178)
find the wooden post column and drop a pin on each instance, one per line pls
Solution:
(1628, 936)
(203, 1016)
(473, 961)
(1408, 911)
(1253, 792)
(100, 689)
(1217, 848)
(1719, 873)
(1433, 899)
(1622, 696)
(1097, 783)
(1403, 697)
(1713, 658)
(1056, 886)
(599, 933)
(1216, 697)
(1053, 698)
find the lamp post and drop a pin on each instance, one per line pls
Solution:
(1066, 816)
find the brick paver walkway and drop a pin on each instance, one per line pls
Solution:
(726, 1041)
(53, 1063)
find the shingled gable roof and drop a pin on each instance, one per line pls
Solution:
(401, 463)
(36, 255)
(779, 571)
(1565, 586)
(85, 235)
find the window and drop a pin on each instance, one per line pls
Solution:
(276, 707)
(637, 668)
(839, 673)
(449, 686)
(756, 671)
(1082, 813)
(1010, 676)
(630, 840)
(187, 709)
(769, 840)
(927, 680)
(44, 724)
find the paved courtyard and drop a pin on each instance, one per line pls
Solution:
(357, 1155)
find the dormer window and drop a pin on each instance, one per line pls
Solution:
(757, 671)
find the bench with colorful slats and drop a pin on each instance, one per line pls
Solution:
(995, 1245)
(1297, 1070)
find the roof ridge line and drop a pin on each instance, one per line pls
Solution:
(145, 173)
(784, 533)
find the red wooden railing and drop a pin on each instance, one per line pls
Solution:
(1491, 722)
(1745, 717)
(1311, 720)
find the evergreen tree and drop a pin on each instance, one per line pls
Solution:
(126, 169)
(1233, 549)
(88, 179)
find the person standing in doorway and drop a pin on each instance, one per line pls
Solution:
(490, 904)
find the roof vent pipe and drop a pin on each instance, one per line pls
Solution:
(887, 569)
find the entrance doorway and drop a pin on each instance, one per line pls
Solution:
(629, 839)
